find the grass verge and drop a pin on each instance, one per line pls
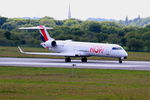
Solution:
(24, 83)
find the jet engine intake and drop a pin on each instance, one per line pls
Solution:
(50, 43)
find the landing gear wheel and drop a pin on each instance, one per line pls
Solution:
(67, 59)
(120, 60)
(84, 59)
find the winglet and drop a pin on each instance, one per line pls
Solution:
(20, 50)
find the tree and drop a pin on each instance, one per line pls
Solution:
(147, 26)
(47, 21)
(147, 44)
(146, 36)
(135, 44)
(113, 38)
(7, 35)
(91, 26)
(8, 26)
(102, 37)
(71, 22)
(59, 22)
(130, 35)
(2, 20)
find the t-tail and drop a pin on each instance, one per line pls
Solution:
(44, 34)
(43, 30)
(47, 40)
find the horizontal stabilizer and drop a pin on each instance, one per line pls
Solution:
(38, 27)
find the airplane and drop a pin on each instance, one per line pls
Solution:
(69, 48)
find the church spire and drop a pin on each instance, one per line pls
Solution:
(69, 12)
(139, 17)
(126, 20)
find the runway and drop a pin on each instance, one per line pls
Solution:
(93, 64)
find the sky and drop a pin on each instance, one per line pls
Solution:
(80, 9)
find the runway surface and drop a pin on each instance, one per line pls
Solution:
(94, 64)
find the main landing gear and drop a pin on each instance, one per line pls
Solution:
(84, 59)
(68, 59)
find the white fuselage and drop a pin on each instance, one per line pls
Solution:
(70, 48)
(85, 49)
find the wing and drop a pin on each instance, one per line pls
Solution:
(52, 54)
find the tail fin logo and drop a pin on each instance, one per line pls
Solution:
(43, 33)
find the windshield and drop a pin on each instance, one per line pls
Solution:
(116, 48)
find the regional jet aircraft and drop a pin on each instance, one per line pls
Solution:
(69, 48)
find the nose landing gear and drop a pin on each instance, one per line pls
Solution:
(120, 60)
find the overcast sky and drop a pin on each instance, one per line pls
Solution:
(81, 9)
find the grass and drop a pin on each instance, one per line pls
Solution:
(24, 83)
(14, 52)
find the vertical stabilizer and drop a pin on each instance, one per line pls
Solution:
(43, 30)
(44, 34)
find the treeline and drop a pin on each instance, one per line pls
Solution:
(137, 22)
(132, 38)
(140, 22)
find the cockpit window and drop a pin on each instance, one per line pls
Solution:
(116, 48)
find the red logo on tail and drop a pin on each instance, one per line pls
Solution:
(43, 33)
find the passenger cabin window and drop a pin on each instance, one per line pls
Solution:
(116, 48)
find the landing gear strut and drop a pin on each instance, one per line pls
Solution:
(120, 60)
(67, 59)
(84, 59)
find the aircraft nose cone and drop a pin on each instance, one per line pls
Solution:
(125, 54)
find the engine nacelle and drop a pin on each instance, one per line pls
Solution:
(49, 44)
